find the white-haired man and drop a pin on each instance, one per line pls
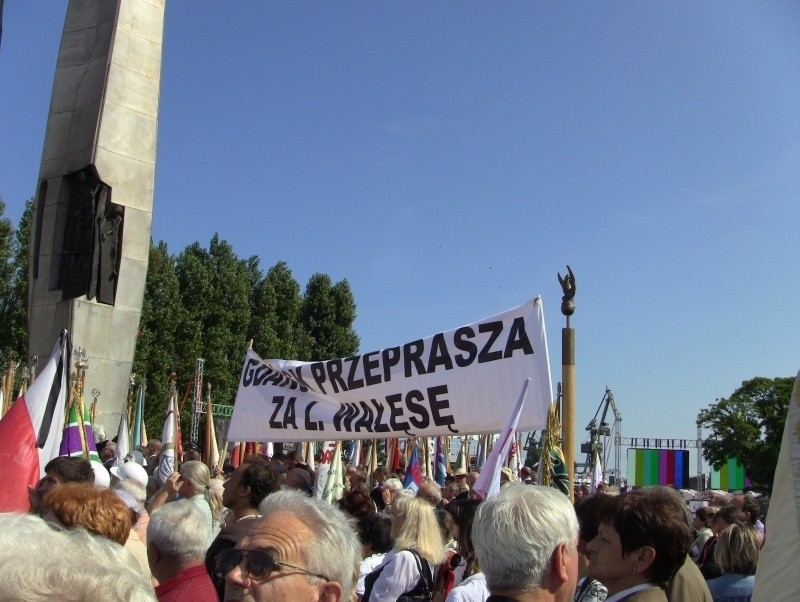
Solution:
(176, 547)
(300, 549)
(525, 539)
(431, 493)
(40, 564)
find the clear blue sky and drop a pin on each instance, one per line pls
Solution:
(450, 158)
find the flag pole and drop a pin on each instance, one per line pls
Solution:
(221, 461)
(225, 441)
(568, 378)
(8, 384)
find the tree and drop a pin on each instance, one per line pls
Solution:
(275, 309)
(748, 426)
(14, 248)
(215, 290)
(326, 317)
(6, 270)
(156, 343)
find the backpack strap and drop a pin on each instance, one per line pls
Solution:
(425, 572)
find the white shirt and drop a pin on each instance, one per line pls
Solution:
(629, 591)
(200, 501)
(369, 564)
(472, 589)
(399, 576)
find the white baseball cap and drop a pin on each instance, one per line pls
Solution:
(101, 476)
(130, 470)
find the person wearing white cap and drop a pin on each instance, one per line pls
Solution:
(131, 470)
(133, 486)
(102, 479)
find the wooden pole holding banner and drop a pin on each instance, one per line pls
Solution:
(568, 378)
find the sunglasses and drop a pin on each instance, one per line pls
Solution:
(258, 564)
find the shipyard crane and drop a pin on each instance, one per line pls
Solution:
(599, 435)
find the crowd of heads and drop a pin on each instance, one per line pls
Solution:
(527, 538)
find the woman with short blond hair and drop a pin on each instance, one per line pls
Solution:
(737, 556)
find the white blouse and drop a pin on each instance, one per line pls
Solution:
(400, 574)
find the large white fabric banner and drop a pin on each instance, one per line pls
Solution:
(776, 577)
(456, 382)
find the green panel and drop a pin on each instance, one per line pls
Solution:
(639, 467)
(650, 467)
(632, 467)
(724, 477)
(735, 475)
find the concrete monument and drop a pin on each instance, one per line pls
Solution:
(94, 199)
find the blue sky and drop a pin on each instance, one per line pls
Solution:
(449, 159)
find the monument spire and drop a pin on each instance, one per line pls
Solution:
(94, 198)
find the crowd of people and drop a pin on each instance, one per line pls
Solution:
(256, 532)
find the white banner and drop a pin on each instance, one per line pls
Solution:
(776, 577)
(456, 382)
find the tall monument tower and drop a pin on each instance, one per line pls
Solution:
(94, 198)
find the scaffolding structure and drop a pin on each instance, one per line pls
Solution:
(218, 410)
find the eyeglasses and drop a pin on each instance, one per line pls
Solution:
(258, 564)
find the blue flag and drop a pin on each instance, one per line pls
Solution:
(440, 472)
(413, 477)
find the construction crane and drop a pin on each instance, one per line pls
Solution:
(599, 435)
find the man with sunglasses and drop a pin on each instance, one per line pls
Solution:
(301, 549)
(242, 493)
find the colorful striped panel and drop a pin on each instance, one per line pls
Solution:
(730, 477)
(658, 467)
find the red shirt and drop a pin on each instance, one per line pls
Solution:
(189, 585)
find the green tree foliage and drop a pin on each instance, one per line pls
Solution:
(748, 426)
(327, 314)
(6, 271)
(203, 303)
(14, 247)
(275, 310)
(215, 292)
(157, 343)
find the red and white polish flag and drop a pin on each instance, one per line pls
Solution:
(30, 432)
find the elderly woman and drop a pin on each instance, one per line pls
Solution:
(642, 540)
(736, 554)
(408, 568)
(99, 511)
(192, 482)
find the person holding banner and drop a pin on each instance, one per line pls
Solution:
(408, 569)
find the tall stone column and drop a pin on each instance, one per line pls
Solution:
(94, 199)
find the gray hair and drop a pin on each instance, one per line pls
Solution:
(393, 484)
(516, 532)
(179, 531)
(134, 488)
(199, 474)
(40, 564)
(431, 492)
(335, 550)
